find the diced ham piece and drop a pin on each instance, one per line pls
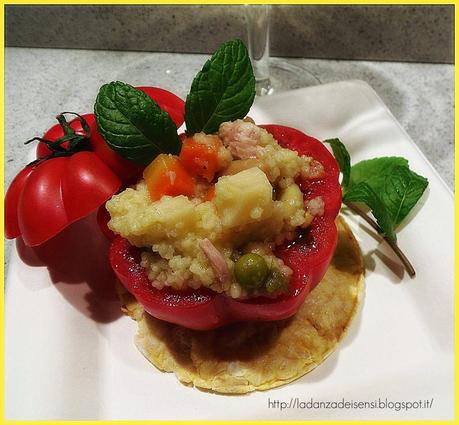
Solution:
(315, 206)
(316, 170)
(216, 259)
(313, 170)
(241, 138)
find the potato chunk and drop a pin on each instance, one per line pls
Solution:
(243, 198)
(292, 199)
(146, 223)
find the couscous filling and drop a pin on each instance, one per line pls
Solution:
(222, 229)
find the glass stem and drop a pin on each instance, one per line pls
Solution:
(257, 20)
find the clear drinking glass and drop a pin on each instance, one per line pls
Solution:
(271, 74)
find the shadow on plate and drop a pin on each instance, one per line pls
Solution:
(78, 265)
(382, 251)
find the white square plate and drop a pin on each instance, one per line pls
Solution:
(70, 355)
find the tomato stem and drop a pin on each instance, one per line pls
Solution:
(65, 125)
(406, 263)
(83, 122)
(76, 142)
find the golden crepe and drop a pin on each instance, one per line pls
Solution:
(249, 356)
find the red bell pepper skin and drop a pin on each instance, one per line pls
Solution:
(308, 257)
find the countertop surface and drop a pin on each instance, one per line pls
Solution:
(40, 83)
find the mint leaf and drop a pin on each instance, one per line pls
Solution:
(222, 91)
(374, 171)
(342, 157)
(398, 187)
(362, 192)
(133, 124)
(402, 190)
(389, 188)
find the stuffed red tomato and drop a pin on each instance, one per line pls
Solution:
(239, 226)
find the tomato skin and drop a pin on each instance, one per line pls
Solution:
(12, 197)
(47, 197)
(308, 256)
(126, 170)
(168, 102)
(103, 217)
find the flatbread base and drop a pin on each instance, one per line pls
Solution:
(249, 356)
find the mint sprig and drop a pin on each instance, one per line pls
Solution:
(375, 171)
(223, 90)
(385, 185)
(133, 124)
(391, 178)
(402, 190)
(343, 158)
(362, 192)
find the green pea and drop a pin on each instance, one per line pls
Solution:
(251, 270)
(276, 282)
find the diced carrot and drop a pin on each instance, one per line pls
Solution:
(167, 176)
(200, 159)
(210, 193)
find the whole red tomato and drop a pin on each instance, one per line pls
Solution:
(126, 170)
(47, 196)
(75, 173)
